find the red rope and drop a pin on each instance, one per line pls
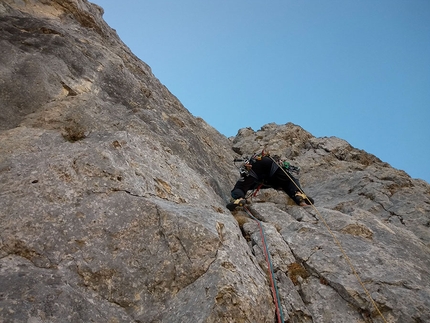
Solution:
(257, 189)
(263, 242)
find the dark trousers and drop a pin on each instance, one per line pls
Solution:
(279, 181)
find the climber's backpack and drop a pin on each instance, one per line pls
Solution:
(288, 167)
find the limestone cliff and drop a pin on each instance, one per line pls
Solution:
(112, 199)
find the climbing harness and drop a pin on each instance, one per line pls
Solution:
(274, 287)
(245, 167)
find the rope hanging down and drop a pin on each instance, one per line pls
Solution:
(274, 287)
(339, 245)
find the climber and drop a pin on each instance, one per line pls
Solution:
(263, 170)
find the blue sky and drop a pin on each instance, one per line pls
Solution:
(354, 69)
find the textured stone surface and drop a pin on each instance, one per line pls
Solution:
(112, 199)
(367, 214)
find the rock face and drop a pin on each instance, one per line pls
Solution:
(112, 199)
(371, 221)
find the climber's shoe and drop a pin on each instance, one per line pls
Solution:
(234, 204)
(302, 199)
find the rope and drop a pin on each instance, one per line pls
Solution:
(339, 245)
(275, 293)
(257, 190)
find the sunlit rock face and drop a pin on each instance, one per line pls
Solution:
(112, 199)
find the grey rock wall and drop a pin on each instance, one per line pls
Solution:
(112, 199)
(364, 248)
